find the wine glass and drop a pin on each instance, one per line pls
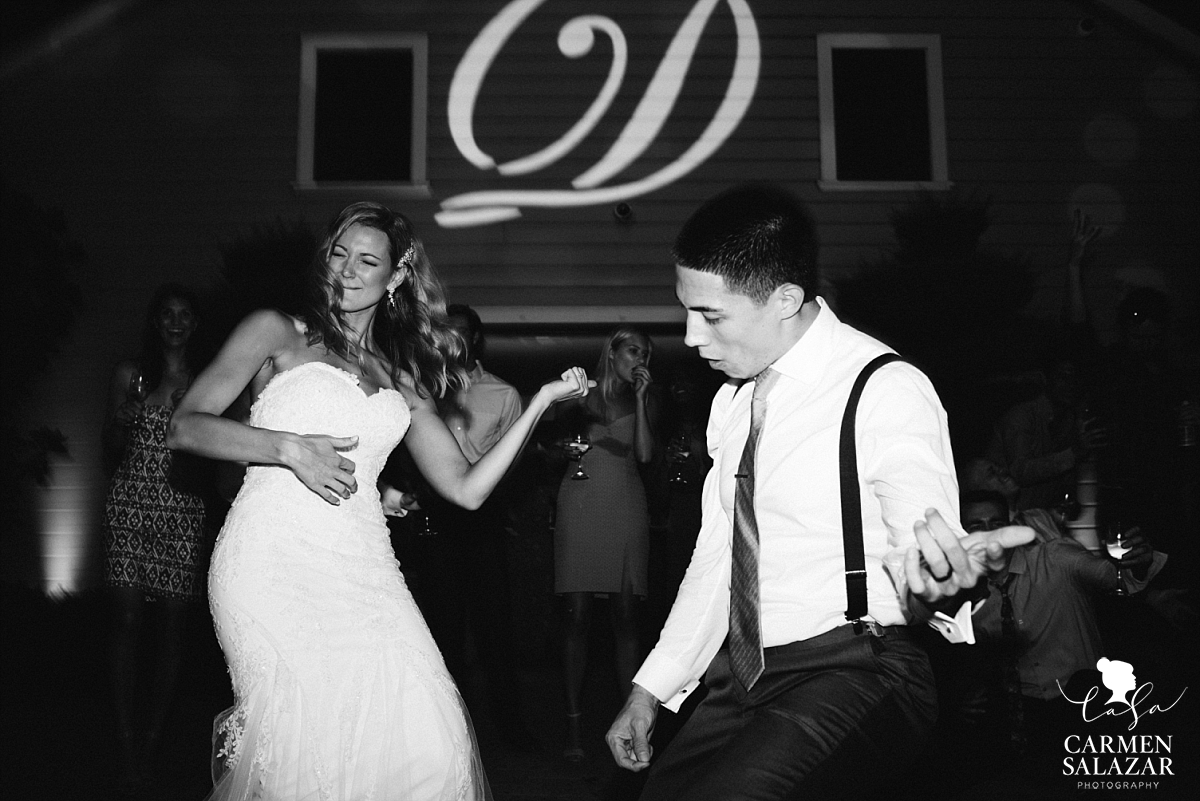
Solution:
(678, 451)
(1114, 543)
(576, 447)
(136, 394)
(137, 390)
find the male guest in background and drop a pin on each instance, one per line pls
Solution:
(468, 595)
(800, 702)
(480, 414)
(1037, 623)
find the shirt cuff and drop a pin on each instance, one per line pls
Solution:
(961, 627)
(662, 677)
(1134, 585)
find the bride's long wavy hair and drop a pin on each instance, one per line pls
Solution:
(410, 328)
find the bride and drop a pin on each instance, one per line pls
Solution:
(340, 692)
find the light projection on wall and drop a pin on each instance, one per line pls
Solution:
(575, 40)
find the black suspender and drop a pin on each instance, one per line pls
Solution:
(852, 530)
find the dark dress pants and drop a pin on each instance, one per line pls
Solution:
(831, 717)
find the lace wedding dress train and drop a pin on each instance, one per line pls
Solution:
(340, 691)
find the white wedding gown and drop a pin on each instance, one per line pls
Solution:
(340, 691)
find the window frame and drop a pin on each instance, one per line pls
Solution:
(310, 46)
(932, 45)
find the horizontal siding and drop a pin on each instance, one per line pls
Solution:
(175, 130)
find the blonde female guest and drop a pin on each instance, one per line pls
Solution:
(602, 525)
(340, 691)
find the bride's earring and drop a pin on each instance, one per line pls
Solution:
(392, 297)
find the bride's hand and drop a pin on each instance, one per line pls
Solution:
(573, 383)
(316, 461)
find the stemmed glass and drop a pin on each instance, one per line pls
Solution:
(136, 393)
(576, 447)
(137, 390)
(1114, 543)
(678, 451)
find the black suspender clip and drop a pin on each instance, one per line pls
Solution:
(870, 625)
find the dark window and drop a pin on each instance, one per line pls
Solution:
(362, 113)
(883, 122)
(881, 115)
(364, 106)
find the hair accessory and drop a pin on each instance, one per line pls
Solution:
(407, 257)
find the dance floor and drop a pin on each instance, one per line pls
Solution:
(59, 737)
(59, 740)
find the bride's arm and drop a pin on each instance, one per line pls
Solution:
(441, 461)
(198, 427)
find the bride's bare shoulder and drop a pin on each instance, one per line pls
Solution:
(273, 326)
(274, 341)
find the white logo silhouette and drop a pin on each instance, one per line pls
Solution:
(1118, 677)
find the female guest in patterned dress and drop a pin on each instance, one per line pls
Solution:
(153, 529)
(602, 525)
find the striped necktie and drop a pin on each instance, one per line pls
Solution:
(745, 633)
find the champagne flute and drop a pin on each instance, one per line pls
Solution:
(576, 447)
(1116, 547)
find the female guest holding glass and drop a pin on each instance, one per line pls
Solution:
(153, 526)
(340, 692)
(602, 526)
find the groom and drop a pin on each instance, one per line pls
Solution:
(803, 697)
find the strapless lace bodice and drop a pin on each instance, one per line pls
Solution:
(318, 398)
(340, 691)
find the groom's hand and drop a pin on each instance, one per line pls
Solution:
(629, 736)
(941, 565)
